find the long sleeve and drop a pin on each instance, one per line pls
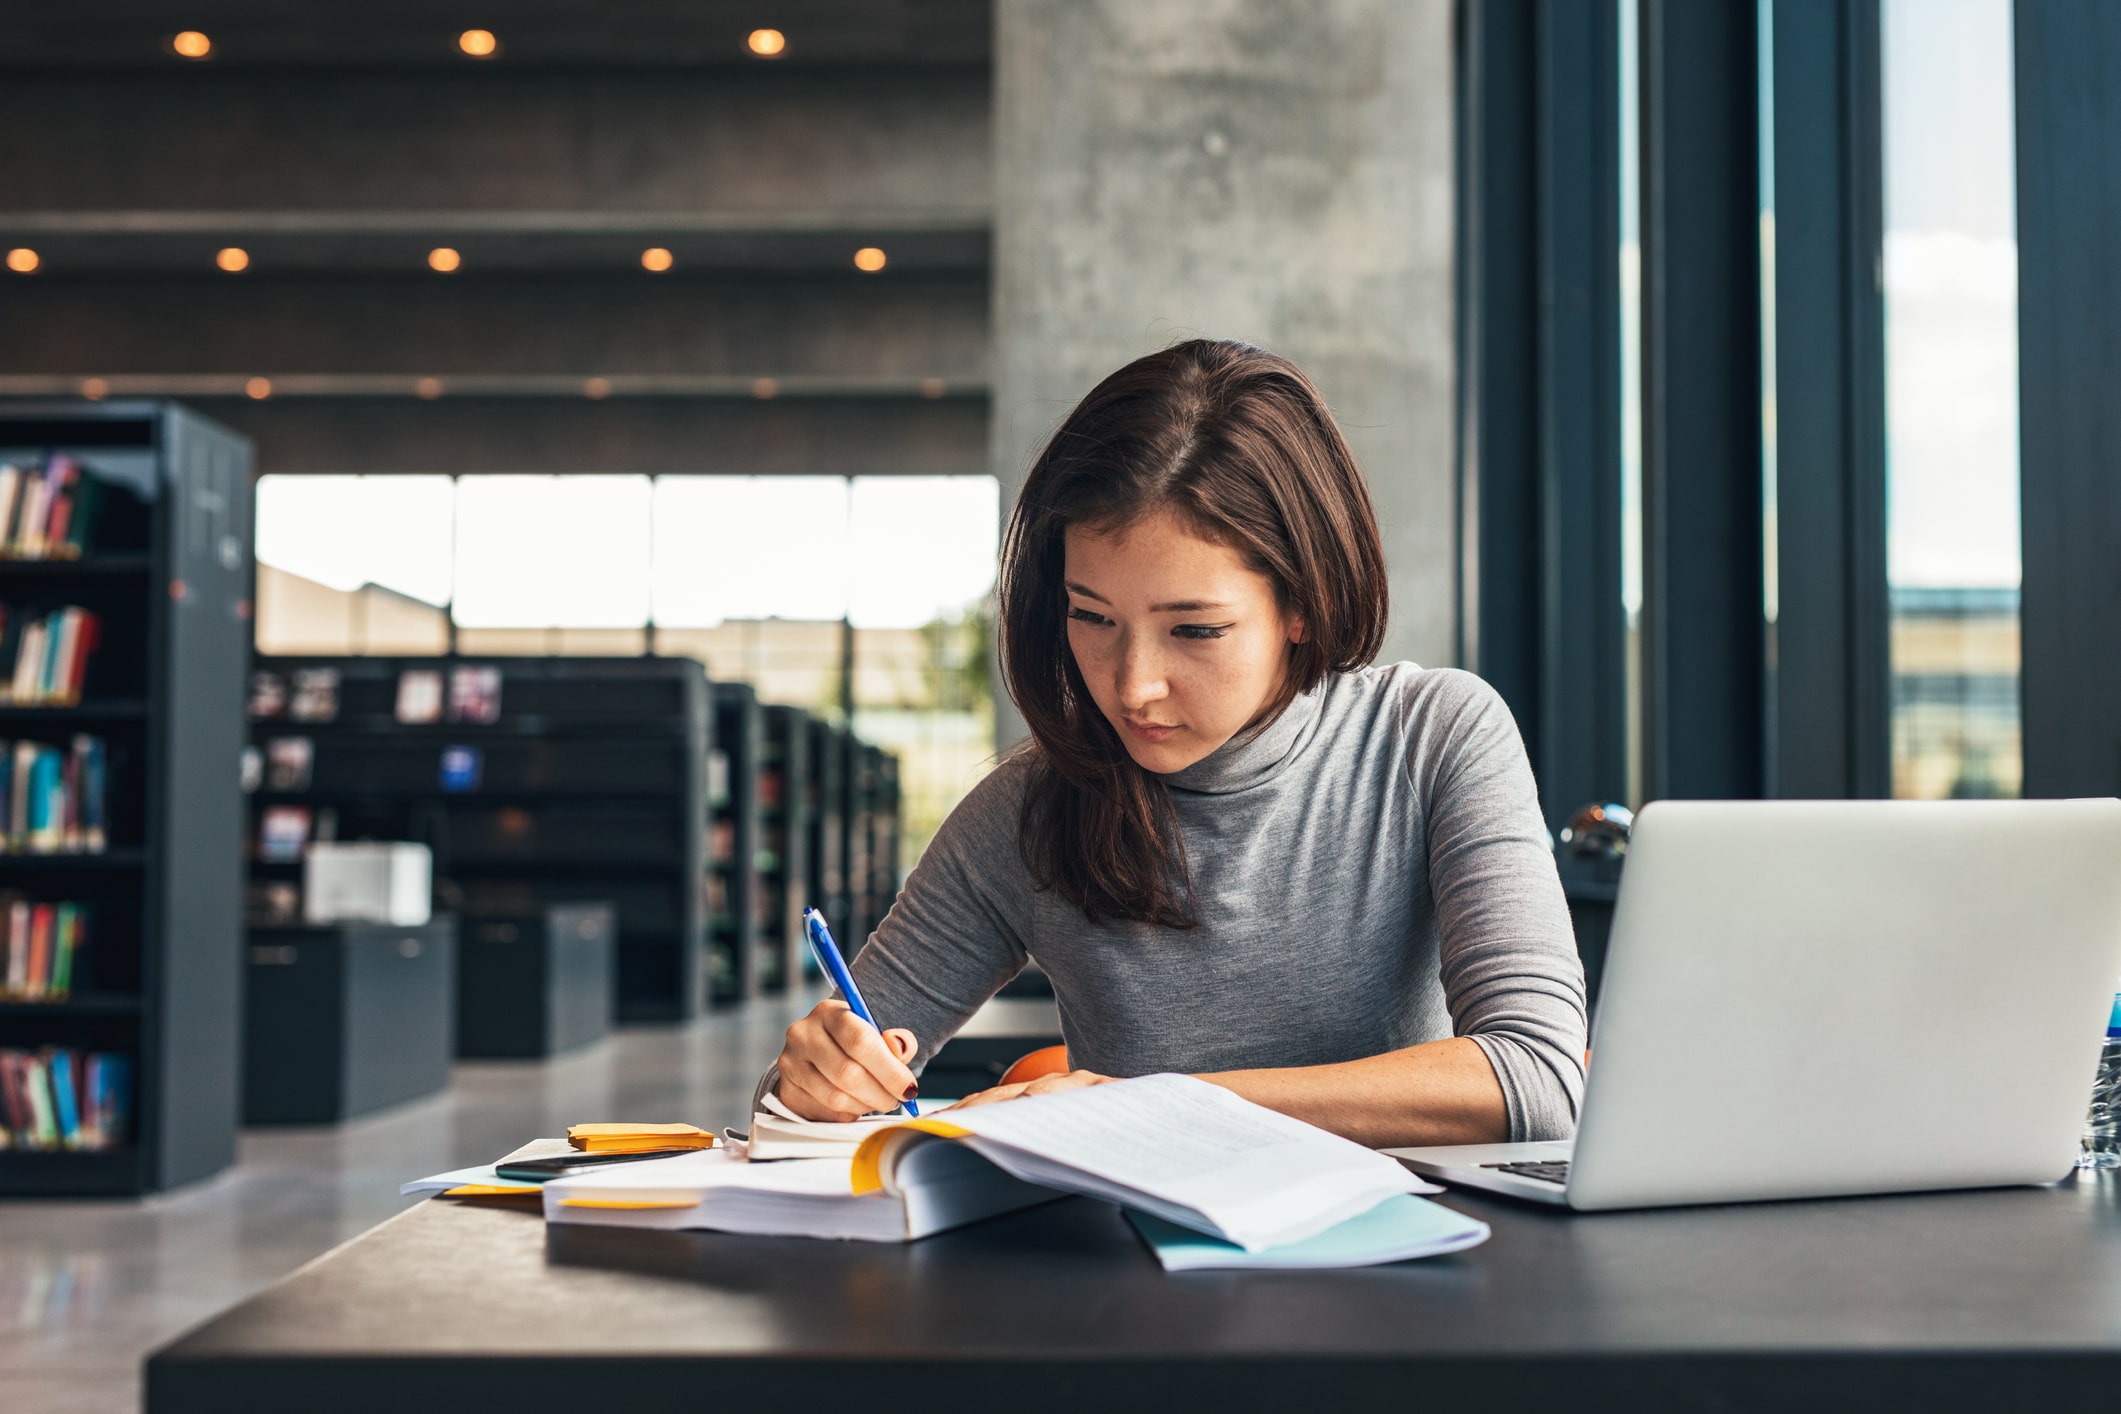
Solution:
(1512, 979)
(955, 934)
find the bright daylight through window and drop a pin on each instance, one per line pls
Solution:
(754, 576)
(1951, 310)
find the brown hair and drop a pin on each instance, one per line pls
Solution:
(1239, 444)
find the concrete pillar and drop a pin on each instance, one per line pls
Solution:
(1277, 171)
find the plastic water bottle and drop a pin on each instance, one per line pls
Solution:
(2102, 1127)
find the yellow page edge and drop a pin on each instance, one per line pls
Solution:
(869, 1159)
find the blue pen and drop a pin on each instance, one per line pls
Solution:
(828, 957)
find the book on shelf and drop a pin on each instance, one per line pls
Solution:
(46, 512)
(57, 1098)
(283, 833)
(45, 654)
(419, 696)
(289, 762)
(313, 695)
(462, 768)
(268, 695)
(52, 799)
(39, 947)
(475, 695)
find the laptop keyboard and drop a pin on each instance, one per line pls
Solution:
(1555, 1171)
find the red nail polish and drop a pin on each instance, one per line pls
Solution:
(913, 1092)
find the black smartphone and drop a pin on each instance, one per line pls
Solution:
(563, 1165)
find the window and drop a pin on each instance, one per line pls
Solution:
(766, 579)
(1951, 305)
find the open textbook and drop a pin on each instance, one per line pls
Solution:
(1180, 1149)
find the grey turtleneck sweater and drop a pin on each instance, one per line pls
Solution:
(1370, 872)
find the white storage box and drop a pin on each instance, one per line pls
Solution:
(368, 883)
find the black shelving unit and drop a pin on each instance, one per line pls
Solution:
(167, 571)
(826, 858)
(735, 886)
(591, 784)
(872, 833)
(786, 806)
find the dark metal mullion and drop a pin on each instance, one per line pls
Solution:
(1582, 745)
(1869, 608)
(1498, 290)
(1828, 729)
(1704, 648)
(2069, 364)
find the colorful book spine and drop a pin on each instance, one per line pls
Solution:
(57, 1098)
(46, 514)
(66, 1111)
(53, 799)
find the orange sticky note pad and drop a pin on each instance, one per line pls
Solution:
(620, 1138)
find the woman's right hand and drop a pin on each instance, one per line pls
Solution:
(836, 1066)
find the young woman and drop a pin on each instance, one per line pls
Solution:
(1236, 850)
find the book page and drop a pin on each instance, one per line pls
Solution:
(1191, 1152)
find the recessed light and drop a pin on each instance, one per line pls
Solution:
(258, 389)
(767, 43)
(428, 388)
(869, 259)
(233, 258)
(444, 259)
(657, 259)
(94, 389)
(478, 43)
(596, 388)
(765, 388)
(191, 44)
(22, 260)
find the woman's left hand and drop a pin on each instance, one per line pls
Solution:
(1044, 1085)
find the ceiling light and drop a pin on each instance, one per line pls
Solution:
(258, 389)
(429, 388)
(233, 258)
(764, 388)
(478, 43)
(94, 389)
(657, 259)
(869, 259)
(191, 44)
(22, 260)
(596, 388)
(444, 259)
(767, 43)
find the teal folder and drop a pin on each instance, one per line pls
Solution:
(1398, 1229)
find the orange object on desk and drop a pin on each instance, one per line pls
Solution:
(637, 1138)
(1046, 1060)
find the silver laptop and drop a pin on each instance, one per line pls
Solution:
(1805, 998)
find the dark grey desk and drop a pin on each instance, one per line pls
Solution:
(1990, 1301)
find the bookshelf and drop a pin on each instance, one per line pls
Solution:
(165, 568)
(786, 806)
(827, 853)
(872, 833)
(589, 782)
(735, 888)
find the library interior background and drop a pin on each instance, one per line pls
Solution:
(499, 509)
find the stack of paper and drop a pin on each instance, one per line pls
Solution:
(637, 1138)
(783, 1134)
(798, 1197)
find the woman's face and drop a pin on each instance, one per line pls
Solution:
(1181, 642)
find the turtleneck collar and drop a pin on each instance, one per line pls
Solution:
(1241, 762)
